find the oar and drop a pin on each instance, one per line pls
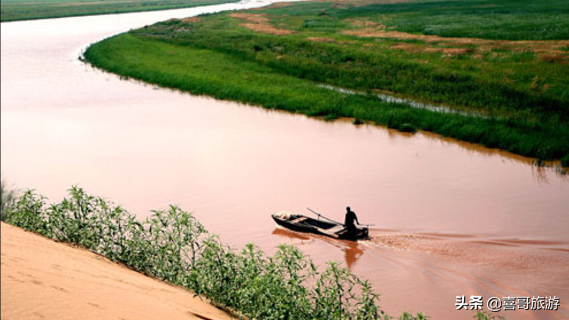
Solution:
(319, 215)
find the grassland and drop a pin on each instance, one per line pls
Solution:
(500, 67)
(13, 10)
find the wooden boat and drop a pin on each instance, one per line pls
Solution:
(330, 228)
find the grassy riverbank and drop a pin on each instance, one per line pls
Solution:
(13, 10)
(505, 93)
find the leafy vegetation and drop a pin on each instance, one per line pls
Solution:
(487, 316)
(13, 10)
(505, 94)
(8, 197)
(173, 246)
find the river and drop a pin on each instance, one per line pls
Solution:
(451, 218)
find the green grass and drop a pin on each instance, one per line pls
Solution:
(13, 10)
(522, 94)
(488, 19)
(173, 246)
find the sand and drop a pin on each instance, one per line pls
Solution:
(43, 279)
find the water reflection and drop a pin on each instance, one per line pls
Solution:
(352, 252)
(292, 235)
(539, 168)
(352, 249)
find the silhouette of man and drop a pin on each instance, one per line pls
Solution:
(349, 221)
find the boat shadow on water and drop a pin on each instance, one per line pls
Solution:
(352, 250)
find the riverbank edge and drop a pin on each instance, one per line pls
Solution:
(116, 55)
(115, 11)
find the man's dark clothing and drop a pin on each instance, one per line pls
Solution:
(350, 219)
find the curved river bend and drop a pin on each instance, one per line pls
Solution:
(453, 219)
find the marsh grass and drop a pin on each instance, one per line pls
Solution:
(173, 246)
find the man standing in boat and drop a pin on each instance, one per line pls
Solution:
(349, 221)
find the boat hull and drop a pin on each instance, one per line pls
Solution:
(305, 224)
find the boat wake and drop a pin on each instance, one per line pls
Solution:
(505, 254)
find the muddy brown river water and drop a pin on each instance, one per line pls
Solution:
(451, 218)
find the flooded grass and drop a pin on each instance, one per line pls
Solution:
(408, 102)
(13, 10)
(172, 245)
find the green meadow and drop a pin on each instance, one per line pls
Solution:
(499, 69)
(13, 10)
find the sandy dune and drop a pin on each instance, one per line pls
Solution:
(42, 279)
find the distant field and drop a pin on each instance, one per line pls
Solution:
(487, 19)
(40, 9)
(506, 61)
